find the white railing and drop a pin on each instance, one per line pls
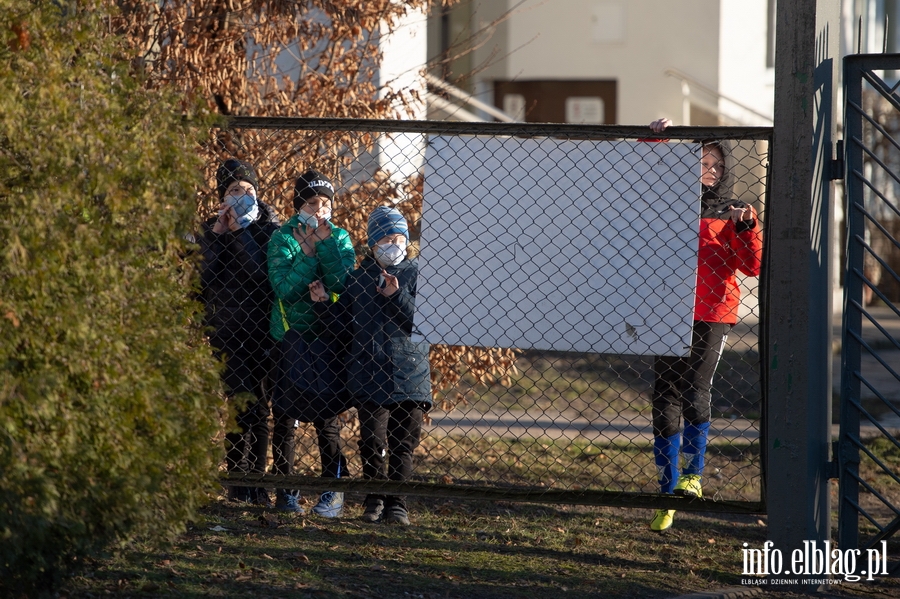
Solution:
(460, 112)
(728, 109)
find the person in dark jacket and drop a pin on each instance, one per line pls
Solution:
(237, 296)
(388, 372)
(730, 243)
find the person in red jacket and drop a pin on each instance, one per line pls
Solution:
(730, 242)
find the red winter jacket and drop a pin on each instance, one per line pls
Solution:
(725, 249)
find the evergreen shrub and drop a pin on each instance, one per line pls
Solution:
(108, 392)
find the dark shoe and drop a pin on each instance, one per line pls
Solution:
(288, 501)
(395, 512)
(374, 507)
(239, 494)
(260, 496)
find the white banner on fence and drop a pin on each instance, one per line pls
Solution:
(587, 246)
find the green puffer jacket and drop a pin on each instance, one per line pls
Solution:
(291, 271)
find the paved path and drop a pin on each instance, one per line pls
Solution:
(617, 429)
(635, 427)
(541, 424)
(876, 366)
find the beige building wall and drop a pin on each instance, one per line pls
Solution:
(744, 73)
(718, 43)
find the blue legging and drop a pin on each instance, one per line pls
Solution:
(683, 389)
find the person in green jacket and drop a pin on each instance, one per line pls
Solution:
(306, 249)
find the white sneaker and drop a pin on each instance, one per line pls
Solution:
(330, 505)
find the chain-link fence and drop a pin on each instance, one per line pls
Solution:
(591, 298)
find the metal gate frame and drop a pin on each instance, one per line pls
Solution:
(858, 70)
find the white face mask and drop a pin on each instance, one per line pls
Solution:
(390, 254)
(311, 220)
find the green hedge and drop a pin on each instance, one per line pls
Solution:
(108, 394)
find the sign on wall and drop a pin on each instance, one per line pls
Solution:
(559, 245)
(585, 110)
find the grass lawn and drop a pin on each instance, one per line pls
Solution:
(480, 549)
(453, 549)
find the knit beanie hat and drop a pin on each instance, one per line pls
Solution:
(234, 170)
(386, 221)
(310, 184)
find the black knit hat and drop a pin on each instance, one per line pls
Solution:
(234, 170)
(310, 184)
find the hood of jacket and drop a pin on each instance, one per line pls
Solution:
(267, 214)
(716, 200)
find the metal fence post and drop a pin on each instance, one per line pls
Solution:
(848, 521)
(800, 282)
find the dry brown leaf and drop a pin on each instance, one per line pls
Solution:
(200, 46)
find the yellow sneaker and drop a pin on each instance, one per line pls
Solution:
(662, 520)
(688, 485)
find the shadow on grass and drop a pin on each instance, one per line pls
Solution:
(454, 549)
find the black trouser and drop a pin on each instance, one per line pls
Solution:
(252, 442)
(683, 385)
(395, 428)
(328, 436)
(328, 431)
(245, 451)
(283, 443)
(246, 374)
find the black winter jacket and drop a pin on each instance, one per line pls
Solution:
(234, 287)
(384, 366)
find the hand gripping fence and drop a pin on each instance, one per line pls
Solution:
(575, 317)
